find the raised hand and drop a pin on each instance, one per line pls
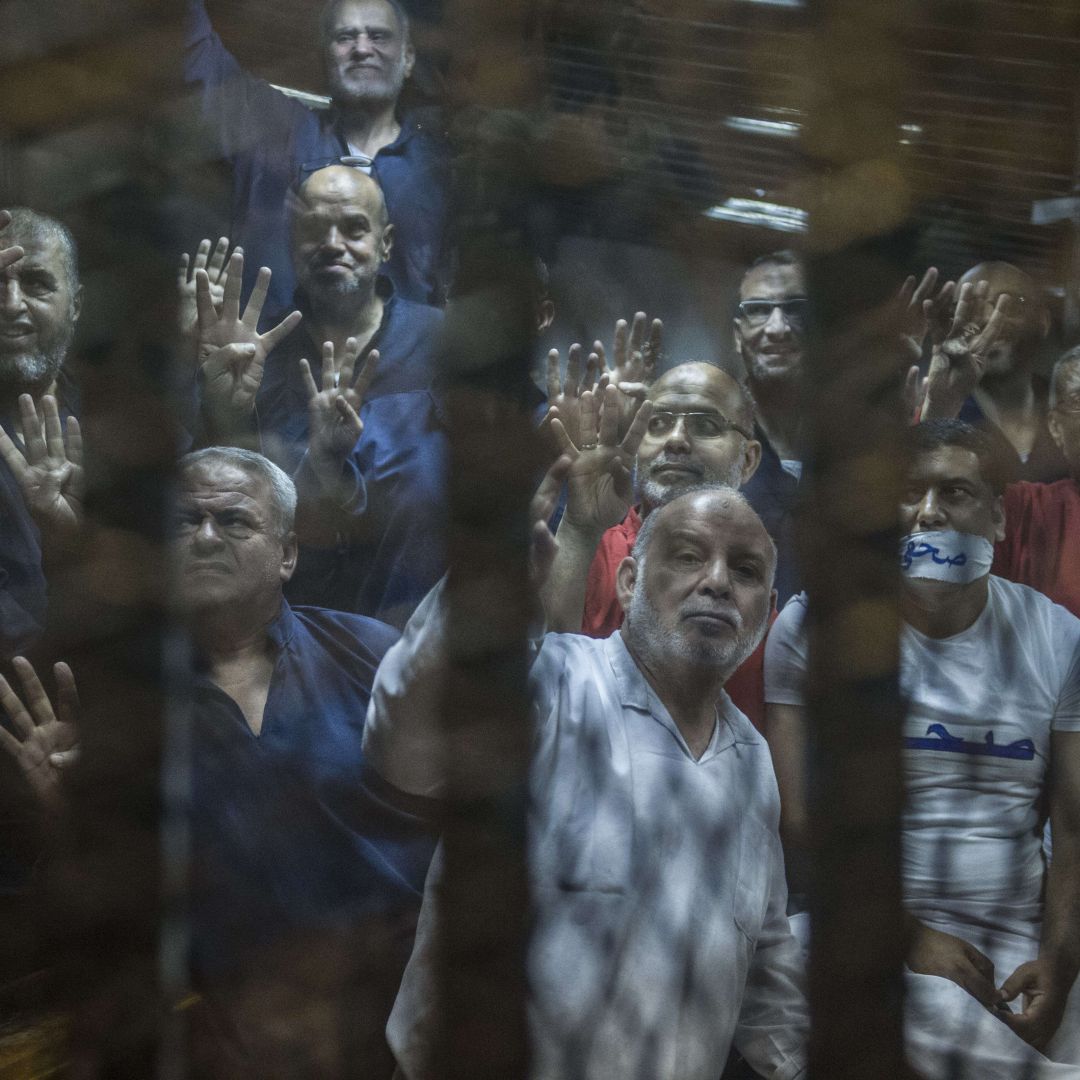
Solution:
(564, 395)
(228, 326)
(48, 470)
(215, 264)
(959, 360)
(635, 355)
(43, 742)
(921, 311)
(8, 255)
(334, 422)
(599, 486)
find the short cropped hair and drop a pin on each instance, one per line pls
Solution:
(996, 458)
(282, 489)
(784, 257)
(648, 526)
(27, 224)
(1066, 359)
(329, 13)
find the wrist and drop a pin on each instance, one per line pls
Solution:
(585, 529)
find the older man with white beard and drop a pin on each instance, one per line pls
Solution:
(40, 300)
(660, 937)
(697, 428)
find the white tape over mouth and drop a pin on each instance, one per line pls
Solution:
(945, 555)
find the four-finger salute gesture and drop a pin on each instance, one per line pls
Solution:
(334, 411)
(216, 266)
(41, 741)
(48, 469)
(564, 394)
(958, 361)
(635, 358)
(599, 485)
(231, 351)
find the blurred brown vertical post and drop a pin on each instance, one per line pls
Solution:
(859, 201)
(85, 135)
(494, 467)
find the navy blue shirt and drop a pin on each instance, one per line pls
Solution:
(774, 494)
(268, 137)
(390, 549)
(290, 830)
(22, 581)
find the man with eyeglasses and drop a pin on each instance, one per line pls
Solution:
(1042, 520)
(273, 141)
(1011, 396)
(697, 429)
(768, 328)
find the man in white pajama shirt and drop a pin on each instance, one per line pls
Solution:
(660, 937)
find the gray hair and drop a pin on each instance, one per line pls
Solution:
(329, 12)
(27, 224)
(282, 489)
(1066, 360)
(648, 526)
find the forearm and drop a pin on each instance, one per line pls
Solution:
(402, 735)
(563, 595)
(1060, 942)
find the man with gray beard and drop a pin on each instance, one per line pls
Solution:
(696, 428)
(40, 478)
(658, 898)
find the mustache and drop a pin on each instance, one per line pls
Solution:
(682, 461)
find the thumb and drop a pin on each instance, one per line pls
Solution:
(64, 759)
(1016, 983)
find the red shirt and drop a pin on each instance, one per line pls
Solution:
(604, 615)
(1042, 540)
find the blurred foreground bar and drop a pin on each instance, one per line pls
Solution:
(860, 203)
(86, 134)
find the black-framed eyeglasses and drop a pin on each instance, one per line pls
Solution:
(756, 312)
(698, 425)
(352, 161)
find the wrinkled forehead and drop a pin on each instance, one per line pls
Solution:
(696, 388)
(218, 483)
(773, 282)
(361, 13)
(944, 463)
(44, 251)
(720, 522)
(338, 191)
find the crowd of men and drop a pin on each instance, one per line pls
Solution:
(669, 774)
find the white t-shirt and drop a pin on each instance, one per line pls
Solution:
(981, 708)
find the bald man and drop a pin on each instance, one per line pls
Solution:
(1011, 396)
(700, 431)
(371, 505)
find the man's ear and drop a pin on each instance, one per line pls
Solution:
(76, 304)
(289, 553)
(545, 315)
(387, 243)
(625, 581)
(751, 459)
(997, 516)
(1054, 424)
(410, 58)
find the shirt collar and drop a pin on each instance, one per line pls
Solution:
(283, 626)
(636, 693)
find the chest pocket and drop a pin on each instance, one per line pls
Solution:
(758, 852)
